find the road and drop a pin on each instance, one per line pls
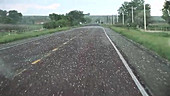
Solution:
(79, 62)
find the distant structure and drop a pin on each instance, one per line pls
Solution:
(112, 19)
(157, 19)
(102, 19)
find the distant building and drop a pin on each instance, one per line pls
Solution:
(157, 19)
(104, 19)
(112, 19)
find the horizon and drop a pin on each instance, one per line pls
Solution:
(39, 8)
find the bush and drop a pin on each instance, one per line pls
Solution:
(50, 25)
(63, 23)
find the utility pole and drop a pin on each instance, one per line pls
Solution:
(117, 18)
(144, 17)
(123, 19)
(112, 20)
(132, 15)
(107, 19)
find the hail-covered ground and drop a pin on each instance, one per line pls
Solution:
(79, 62)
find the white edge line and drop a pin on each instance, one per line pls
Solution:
(140, 87)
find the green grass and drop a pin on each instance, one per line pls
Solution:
(158, 42)
(17, 36)
(6, 29)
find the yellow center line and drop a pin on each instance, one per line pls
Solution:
(66, 42)
(35, 62)
(55, 49)
(47, 54)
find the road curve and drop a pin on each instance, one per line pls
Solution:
(81, 62)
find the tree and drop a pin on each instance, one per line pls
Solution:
(55, 17)
(63, 23)
(138, 6)
(75, 17)
(88, 20)
(10, 17)
(166, 11)
(70, 19)
(3, 17)
(3, 13)
(50, 25)
(15, 16)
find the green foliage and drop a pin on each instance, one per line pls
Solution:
(88, 20)
(76, 17)
(138, 6)
(3, 13)
(63, 23)
(55, 24)
(11, 17)
(55, 17)
(15, 16)
(6, 29)
(166, 11)
(50, 25)
(56, 21)
(16, 36)
(3, 17)
(71, 19)
(34, 19)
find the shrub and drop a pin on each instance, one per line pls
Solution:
(49, 25)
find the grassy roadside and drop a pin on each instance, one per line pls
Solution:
(158, 42)
(24, 35)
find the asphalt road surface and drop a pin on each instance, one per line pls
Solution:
(80, 62)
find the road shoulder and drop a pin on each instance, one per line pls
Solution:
(152, 71)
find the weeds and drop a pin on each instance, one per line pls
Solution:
(158, 42)
(17, 36)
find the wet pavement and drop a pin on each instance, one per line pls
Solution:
(81, 62)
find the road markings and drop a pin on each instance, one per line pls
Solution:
(35, 62)
(48, 55)
(20, 73)
(65, 43)
(140, 87)
(55, 49)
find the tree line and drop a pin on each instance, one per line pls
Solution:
(166, 11)
(70, 19)
(137, 7)
(10, 17)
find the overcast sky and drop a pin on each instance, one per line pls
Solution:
(94, 7)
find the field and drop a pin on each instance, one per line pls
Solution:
(158, 42)
(9, 33)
